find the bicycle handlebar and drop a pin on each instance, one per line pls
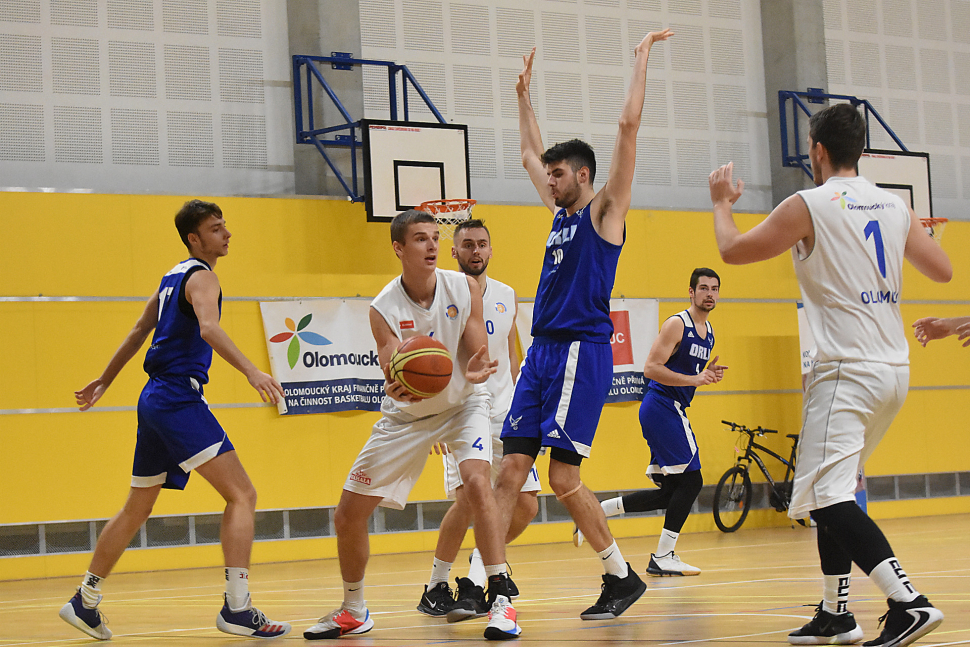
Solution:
(759, 430)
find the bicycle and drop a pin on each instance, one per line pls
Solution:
(732, 496)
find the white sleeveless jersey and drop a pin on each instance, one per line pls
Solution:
(851, 282)
(499, 311)
(444, 320)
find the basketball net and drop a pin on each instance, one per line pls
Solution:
(934, 227)
(448, 214)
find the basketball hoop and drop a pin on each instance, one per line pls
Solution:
(934, 227)
(448, 214)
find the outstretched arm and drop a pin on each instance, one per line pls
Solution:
(611, 204)
(530, 139)
(202, 291)
(785, 226)
(90, 394)
(930, 328)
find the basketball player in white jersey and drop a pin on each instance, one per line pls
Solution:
(473, 250)
(448, 306)
(848, 240)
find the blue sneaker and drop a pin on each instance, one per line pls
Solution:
(249, 622)
(90, 621)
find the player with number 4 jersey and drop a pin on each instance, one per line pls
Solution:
(848, 239)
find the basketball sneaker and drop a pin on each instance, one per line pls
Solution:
(470, 602)
(578, 538)
(341, 622)
(670, 564)
(827, 629)
(906, 622)
(501, 620)
(90, 621)
(249, 622)
(436, 601)
(617, 596)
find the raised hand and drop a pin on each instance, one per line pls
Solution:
(717, 369)
(525, 76)
(722, 184)
(89, 395)
(479, 369)
(653, 37)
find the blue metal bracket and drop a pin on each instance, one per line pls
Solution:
(307, 77)
(818, 95)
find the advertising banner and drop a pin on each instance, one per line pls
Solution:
(635, 326)
(323, 354)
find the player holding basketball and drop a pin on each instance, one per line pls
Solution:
(568, 372)
(448, 306)
(176, 431)
(473, 250)
(848, 240)
(676, 366)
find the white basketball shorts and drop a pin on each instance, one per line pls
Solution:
(395, 454)
(453, 476)
(848, 408)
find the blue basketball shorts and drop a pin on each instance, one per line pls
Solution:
(176, 433)
(665, 426)
(560, 394)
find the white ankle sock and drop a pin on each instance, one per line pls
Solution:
(613, 561)
(237, 588)
(612, 507)
(835, 593)
(889, 576)
(667, 542)
(476, 569)
(354, 597)
(91, 590)
(439, 572)
(495, 569)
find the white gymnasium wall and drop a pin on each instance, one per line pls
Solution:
(911, 59)
(145, 96)
(705, 101)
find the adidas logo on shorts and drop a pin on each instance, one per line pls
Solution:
(553, 434)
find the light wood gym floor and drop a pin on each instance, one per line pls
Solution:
(756, 586)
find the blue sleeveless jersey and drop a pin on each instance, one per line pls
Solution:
(691, 358)
(178, 348)
(578, 271)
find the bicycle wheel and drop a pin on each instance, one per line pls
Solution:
(732, 499)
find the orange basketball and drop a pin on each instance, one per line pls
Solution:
(422, 365)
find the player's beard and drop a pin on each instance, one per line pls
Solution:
(568, 198)
(704, 307)
(471, 271)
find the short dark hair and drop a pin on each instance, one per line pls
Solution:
(703, 271)
(191, 215)
(403, 220)
(841, 129)
(576, 152)
(471, 223)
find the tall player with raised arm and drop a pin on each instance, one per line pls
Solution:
(176, 431)
(848, 239)
(568, 372)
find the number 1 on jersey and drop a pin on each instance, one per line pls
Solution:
(162, 299)
(872, 229)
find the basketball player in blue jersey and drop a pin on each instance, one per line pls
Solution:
(848, 239)
(568, 372)
(678, 363)
(176, 431)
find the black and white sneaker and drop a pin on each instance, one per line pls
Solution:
(437, 601)
(907, 622)
(617, 596)
(470, 603)
(827, 629)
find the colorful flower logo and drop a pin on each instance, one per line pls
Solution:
(297, 333)
(842, 198)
